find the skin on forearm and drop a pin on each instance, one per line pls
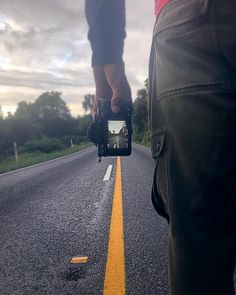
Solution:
(111, 83)
(102, 87)
(116, 78)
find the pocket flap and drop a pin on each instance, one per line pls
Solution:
(157, 143)
(179, 12)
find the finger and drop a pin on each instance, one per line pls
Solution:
(115, 105)
(94, 108)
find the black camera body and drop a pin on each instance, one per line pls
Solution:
(111, 132)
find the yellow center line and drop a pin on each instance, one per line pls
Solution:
(114, 283)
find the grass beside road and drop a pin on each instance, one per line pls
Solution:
(28, 159)
(146, 144)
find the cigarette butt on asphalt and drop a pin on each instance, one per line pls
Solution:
(79, 260)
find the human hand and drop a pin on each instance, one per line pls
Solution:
(116, 78)
(111, 83)
(102, 87)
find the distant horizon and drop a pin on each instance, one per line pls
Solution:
(13, 109)
(29, 68)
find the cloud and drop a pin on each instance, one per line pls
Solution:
(44, 47)
(42, 80)
(45, 13)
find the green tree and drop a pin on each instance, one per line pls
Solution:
(24, 122)
(146, 84)
(45, 124)
(140, 116)
(49, 105)
(1, 131)
(88, 102)
(23, 111)
(1, 113)
(52, 115)
(82, 124)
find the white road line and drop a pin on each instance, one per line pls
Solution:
(45, 162)
(108, 173)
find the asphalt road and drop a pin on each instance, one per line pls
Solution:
(118, 142)
(60, 209)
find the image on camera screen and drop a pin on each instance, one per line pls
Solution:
(117, 135)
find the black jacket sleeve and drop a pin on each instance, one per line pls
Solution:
(106, 19)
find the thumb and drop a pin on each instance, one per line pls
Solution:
(115, 104)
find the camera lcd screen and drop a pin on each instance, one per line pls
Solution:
(117, 135)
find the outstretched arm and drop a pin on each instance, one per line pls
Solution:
(106, 19)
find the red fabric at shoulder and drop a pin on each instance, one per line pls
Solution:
(159, 5)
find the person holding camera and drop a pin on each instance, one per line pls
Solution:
(192, 107)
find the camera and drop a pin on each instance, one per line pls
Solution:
(111, 132)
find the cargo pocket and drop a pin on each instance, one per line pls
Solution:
(180, 15)
(160, 180)
(185, 57)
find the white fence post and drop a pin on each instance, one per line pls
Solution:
(71, 143)
(15, 151)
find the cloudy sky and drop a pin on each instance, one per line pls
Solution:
(44, 47)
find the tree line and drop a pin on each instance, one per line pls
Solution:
(140, 116)
(47, 124)
(42, 126)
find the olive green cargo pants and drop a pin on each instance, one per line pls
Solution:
(193, 127)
